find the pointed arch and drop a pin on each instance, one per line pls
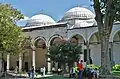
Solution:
(53, 37)
(96, 31)
(77, 38)
(40, 41)
(94, 38)
(113, 34)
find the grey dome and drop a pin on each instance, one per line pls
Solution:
(39, 20)
(79, 13)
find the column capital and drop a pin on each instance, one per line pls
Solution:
(86, 42)
(33, 47)
(111, 42)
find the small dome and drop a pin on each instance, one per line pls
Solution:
(39, 20)
(79, 17)
(78, 13)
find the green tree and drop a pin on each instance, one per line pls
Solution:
(107, 11)
(65, 53)
(11, 36)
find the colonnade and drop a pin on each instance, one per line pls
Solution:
(33, 61)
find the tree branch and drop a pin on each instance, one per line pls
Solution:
(99, 16)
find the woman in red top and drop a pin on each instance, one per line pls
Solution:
(80, 67)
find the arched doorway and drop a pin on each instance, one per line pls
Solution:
(78, 39)
(40, 54)
(56, 40)
(94, 43)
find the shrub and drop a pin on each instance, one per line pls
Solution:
(92, 66)
(116, 67)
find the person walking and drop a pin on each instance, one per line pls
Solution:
(32, 72)
(80, 68)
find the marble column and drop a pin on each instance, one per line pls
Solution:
(88, 52)
(33, 57)
(8, 62)
(49, 66)
(48, 62)
(20, 62)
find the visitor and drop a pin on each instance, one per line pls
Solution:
(94, 73)
(41, 70)
(80, 68)
(53, 70)
(44, 69)
(89, 73)
(32, 72)
(16, 70)
(29, 73)
(72, 72)
(90, 60)
(59, 71)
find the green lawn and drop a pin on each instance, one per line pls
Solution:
(116, 73)
(56, 77)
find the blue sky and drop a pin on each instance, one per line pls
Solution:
(54, 8)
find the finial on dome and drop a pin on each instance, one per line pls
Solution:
(84, 6)
(41, 11)
(78, 5)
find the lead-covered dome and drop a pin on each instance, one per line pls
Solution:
(39, 20)
(79, 17)
(78, 12)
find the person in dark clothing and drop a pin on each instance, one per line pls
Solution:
(32, 72)
(90, 59)
(89, 74)
(29, 73)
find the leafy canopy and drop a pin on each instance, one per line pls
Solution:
(10, 35)
(64, 53)
(105, 9)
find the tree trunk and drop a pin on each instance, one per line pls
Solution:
(105, 59)
(63, 68)
(2, 63)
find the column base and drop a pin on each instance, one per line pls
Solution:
(8, 70)
(49, 72)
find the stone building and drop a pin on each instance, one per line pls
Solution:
(78, 25)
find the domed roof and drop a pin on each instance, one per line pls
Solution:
(39, 20)
(78, 13)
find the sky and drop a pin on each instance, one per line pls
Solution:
(54, 8)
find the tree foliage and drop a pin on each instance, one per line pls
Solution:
(64, 53)
(107, 10)
(11, 36)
